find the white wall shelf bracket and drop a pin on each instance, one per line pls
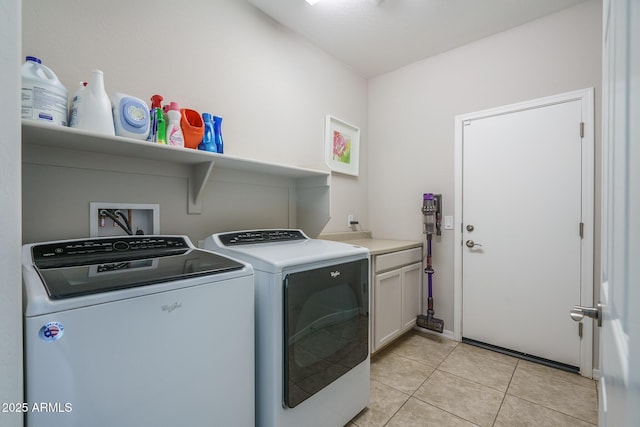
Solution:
(197, 183)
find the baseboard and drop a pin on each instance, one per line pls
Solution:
(596, 374)
(445, 333)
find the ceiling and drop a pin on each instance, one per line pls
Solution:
(377, 36)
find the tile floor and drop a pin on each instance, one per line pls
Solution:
(426, 380)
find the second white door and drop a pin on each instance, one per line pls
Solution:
(521, 241)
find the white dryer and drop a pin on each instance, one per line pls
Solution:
(136, 331)
(312, 326)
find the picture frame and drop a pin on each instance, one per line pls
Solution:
(342, 146)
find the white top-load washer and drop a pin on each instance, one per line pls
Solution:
(137, 331)
(312, 325)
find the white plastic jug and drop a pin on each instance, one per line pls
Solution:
(91, 108)
(44, 97)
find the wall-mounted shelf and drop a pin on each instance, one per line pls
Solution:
(307, 180)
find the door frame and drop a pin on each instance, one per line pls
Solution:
(586, 98)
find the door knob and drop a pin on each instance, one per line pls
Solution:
(471, 244)
(578, 312)
(470, 228)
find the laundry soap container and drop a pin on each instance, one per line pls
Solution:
(91, 107)
(208, 139)
(175, 136)
(130, 116)
(192, 127)
(44, 97)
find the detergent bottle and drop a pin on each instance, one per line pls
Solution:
(174, 131)
(208, 139)
(192, 127)
(44, 97)
(91, 109)
(217, 133)
(130, 116)
(73, 111)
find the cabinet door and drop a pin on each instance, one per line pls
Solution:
(411, 294)
(388, 307)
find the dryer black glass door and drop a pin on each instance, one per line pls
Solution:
(326, 327)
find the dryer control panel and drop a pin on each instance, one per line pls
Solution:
(260, 236)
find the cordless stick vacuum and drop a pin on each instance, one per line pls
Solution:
(431, 217)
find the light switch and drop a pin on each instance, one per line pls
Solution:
(448, 223)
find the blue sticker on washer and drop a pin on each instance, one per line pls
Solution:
(51, 331)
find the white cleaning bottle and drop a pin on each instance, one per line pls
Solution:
(174, 131)
(44, 97)
(91, 109)
(76, 102)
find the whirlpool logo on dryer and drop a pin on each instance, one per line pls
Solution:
(170, 307)
(335, 274)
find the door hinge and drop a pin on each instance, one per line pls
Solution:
(580, 329)
(581, 129)
(582, 230)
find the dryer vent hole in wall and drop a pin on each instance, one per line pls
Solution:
(120, 219)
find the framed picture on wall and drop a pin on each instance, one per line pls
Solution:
(342, 146)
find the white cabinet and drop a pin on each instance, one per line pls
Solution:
(397, 294)
(387, 307)
(411, 294)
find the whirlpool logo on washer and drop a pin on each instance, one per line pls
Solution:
(51, 331)
(335, 274)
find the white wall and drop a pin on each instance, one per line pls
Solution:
(412, 110)
(272, 88)
(10, 219)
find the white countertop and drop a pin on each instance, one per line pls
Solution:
(375, 246)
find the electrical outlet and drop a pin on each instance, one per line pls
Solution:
(349, 220)
(141, 218)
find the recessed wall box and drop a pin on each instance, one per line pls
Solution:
(140, 218)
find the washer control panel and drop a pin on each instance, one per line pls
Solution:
(79, 252)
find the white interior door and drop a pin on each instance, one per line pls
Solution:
(620, 292)
(522, 250)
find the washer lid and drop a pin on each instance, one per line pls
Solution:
(274, 254)
(68, 270)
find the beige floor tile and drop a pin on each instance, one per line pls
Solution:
(467, 387)
(423, 347)
(466, 399)
(384, 402)
(516, 412)
(489, 354)
(399, 372)
(538, 369)
(416, 413)
(555, 393)
(472, 364)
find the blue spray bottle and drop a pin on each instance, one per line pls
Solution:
(208, 139)
(217, 131)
